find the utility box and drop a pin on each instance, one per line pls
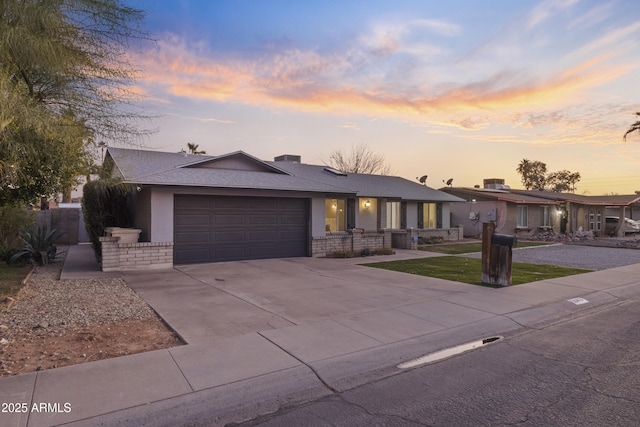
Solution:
(496, 256)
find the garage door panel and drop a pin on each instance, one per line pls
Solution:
(260, 236)
(192, 219)
(218, 228)
(195, 237)
(262, 204)
(228, 220)
(191, 255)
(229, 236)
(222, 203)
(262, 219)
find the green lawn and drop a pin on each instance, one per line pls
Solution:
(469, 270)
(468, 248)
(11, 277)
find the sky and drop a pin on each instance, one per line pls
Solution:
(449, 89)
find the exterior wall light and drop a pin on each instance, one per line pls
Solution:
(367, 204)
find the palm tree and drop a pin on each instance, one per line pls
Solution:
(632, 128)
(193, 149)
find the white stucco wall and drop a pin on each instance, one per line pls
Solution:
(161, 215)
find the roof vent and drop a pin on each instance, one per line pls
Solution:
(335, 171)
(288, 158)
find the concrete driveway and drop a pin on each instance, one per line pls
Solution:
(334, 298)
(208, 301)
(268, 333)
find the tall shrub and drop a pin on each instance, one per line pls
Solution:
(14, 221)
(104, 204)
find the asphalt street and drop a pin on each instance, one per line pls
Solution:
(581, 371)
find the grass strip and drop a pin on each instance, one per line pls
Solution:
(469, 270)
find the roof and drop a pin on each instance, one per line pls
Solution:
(614, 200)
(499, 195)
(240, 170)
(367, 185)
(542, 197)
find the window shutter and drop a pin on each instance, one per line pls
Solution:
(403, 215)
(420, 215)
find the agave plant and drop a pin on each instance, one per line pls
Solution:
(39, 247)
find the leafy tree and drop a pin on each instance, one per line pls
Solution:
(360, 159)
(64, 79)
(563, 181)
(533, 174)
(535, 177)
(193, 149)
(633, 128)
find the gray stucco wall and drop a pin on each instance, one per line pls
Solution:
(367, 217)
(412, 214)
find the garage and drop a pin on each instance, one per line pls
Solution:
(225, 228)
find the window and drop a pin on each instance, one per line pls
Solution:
(599, 220)
(393, 215)
(430, 215)
(546, 219)
(335, 213)
(592, 219)
(523, 217)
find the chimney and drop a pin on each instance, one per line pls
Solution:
(288, 158)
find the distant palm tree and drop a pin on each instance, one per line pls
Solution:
(634, 127)
(193, 149)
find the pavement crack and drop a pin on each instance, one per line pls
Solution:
(378, 414)
(311, 368)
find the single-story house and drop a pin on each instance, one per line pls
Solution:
(514, 214)
(588, 213)
(527, 212)
(237, 207)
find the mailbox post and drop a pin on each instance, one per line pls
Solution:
(496, 256)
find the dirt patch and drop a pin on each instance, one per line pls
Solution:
(54, 323)
(39, 351)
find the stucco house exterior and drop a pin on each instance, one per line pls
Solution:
(588, 213)
(514, 214)
(236, 206)
(527, 212)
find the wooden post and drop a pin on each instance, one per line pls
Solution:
(487, 231)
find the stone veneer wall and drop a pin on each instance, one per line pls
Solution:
(135, 256)
(353, 240)
(405, 239)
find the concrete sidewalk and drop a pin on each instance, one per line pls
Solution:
(285, 331)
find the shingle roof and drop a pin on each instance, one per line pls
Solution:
(501, 195)
(159, 168)
(616, 200)
(366, 185)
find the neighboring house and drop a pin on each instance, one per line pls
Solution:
(527, 212)
(514, 214)
(588, 213)
(236, 206)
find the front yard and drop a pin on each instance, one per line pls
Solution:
(469, 270)
(49, 322)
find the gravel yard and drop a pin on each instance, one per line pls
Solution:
(62, 322)
(576, 256)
